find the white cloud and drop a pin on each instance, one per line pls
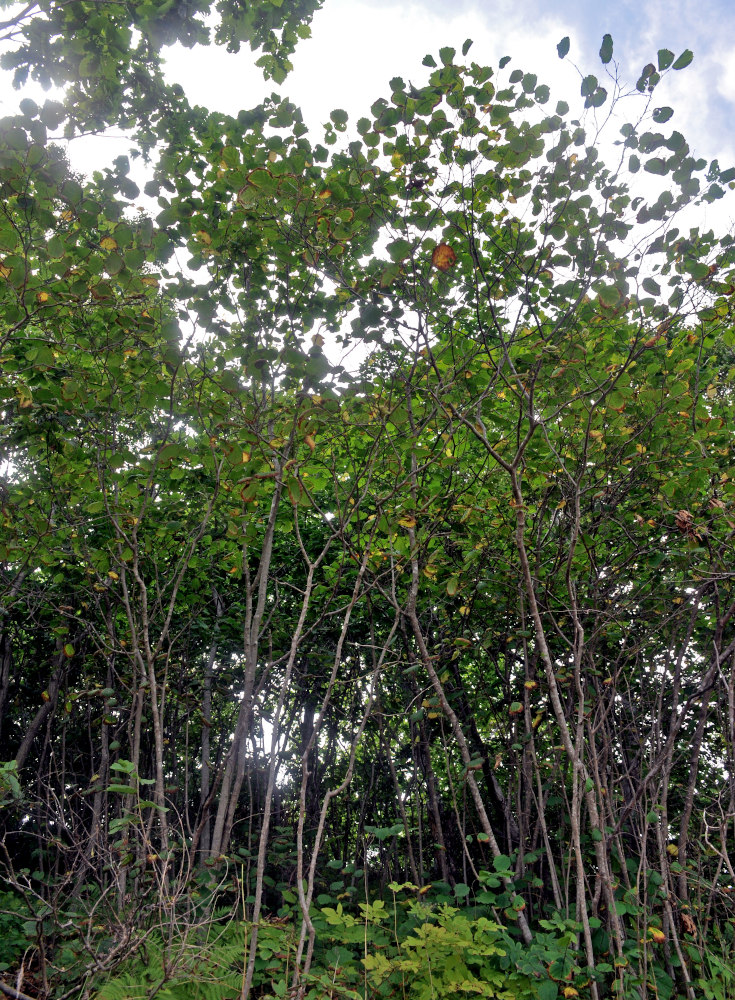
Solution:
(358, 47)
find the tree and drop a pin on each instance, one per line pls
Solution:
(461, 617)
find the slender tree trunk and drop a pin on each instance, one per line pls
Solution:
(205, 803)
(46, 708)
(234, 768)
(6, 669)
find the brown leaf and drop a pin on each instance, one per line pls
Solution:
(443, 257)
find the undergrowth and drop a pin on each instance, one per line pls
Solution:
(412, 946)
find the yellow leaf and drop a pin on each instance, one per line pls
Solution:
(113, 575)
(4, 270)
(150, 280)
(204, 237)
(326, 193)
(409, 522)
(42, 297)
(310, 441)
(108, 243)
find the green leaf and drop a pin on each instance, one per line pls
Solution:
(665, 59)
(656, 166)
(126, 766)
(466, 46)
(606, 49)
(547, 990)
(563, 47)
(501, 863)
(389, 274)
(589, 85)
(661, 115)
(597, 99)
(651, 286)
(28, 107)
(609, 295)
(698, 270)
(684, 59)
(398, 250)
(385, 832)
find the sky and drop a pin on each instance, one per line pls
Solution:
(357, 46)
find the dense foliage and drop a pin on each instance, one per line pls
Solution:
(409, 674)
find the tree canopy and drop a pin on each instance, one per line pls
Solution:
(413, 673)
